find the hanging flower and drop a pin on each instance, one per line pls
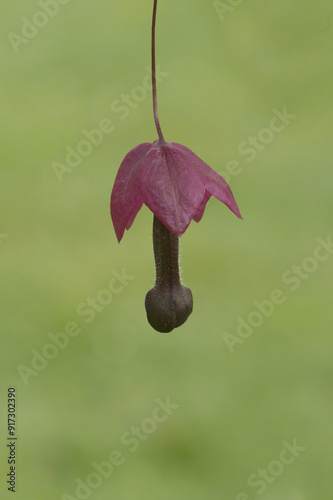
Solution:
(175, 184)
(172, 181)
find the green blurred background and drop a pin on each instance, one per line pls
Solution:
(57, 248)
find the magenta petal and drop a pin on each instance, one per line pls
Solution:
(212, 181)
(170, 187)
(126, 200)
(200, 211)
(172, 181)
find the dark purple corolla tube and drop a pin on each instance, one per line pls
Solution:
(169, 303)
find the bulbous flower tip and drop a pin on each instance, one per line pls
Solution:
(168, 307)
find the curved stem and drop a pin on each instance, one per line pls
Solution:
(153, 72)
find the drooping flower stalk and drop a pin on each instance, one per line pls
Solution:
(153, 73)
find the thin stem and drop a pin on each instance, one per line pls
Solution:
(153, 73)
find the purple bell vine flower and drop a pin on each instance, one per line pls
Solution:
(175, 184)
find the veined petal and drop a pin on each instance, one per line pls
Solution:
(212, 181)
(126, 200)
(170, 187)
